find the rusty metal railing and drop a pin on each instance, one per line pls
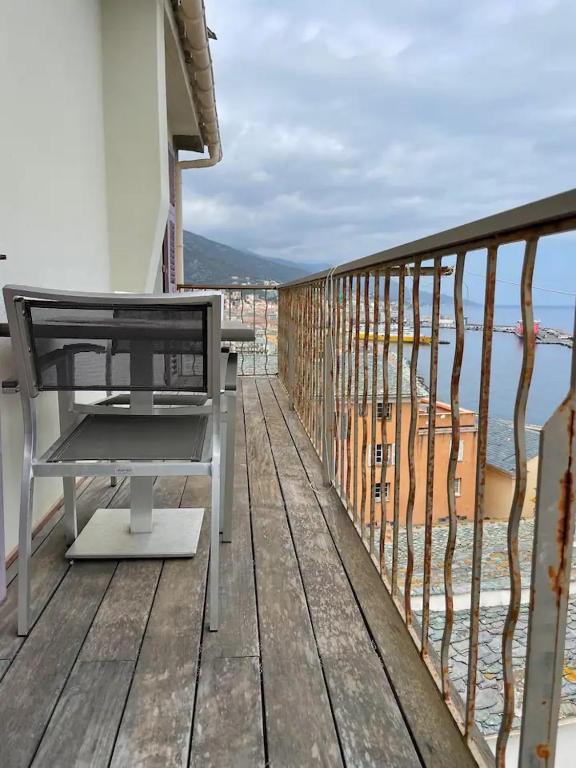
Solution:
(255, 305)
(342, 360)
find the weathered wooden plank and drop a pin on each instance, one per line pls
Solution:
(117, 631)
(30, 688)
(228, 728)
(238, 633)
(4, 664)
(155, 728)
(299, 724)
(371, 727)
(49, 566)
(264, 488)
(83, 727)
(437, 737)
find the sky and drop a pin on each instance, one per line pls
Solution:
(348, 128)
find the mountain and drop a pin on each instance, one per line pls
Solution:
(207, 261)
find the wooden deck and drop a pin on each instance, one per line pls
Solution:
(312, 665)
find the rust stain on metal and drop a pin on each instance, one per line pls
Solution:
(543, 751)
(566, 498)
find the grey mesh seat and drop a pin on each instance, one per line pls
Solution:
(144, 348)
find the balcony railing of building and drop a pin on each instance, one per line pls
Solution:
(341, 345)
(255, 305)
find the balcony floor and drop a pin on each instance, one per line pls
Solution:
(312, 665)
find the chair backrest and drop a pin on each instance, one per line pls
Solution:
(120, 342)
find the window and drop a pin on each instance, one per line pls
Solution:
(386, 491)
(380, 410)
(457, 486)
(460, 449)
(376, 454)
(377, 491)
(390, 453)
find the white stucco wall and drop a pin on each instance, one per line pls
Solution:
(136, 139)
(53, 218)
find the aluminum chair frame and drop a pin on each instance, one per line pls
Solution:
(34, 466)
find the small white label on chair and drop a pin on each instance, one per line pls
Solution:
(124, 471)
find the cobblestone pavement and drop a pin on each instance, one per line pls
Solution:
(489, 699)
(495, 572)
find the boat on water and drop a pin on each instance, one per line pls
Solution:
(519, 328)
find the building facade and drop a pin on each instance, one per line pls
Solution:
(97, 103)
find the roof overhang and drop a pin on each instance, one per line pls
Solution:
(189, 33)
(182, 116)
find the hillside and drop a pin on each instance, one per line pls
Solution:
(207, 261)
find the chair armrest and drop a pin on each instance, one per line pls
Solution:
(231, 372)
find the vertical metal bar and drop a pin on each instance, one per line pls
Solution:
(528, 354)
(316, 362)
(242, 320)
(321, 426)
(374, 412)
(349, 405)
(398, 426)
(328, 354)
(313, 365)
(343, 400)
(366, 340)
(412, 444)
(384, 419)
(336, 323)
(356, 396)
(432, 395)
(266, 331)
(550, 585)
(455, 447)
(254, 329)
(480, 481)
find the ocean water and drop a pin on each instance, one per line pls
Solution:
(550, 380)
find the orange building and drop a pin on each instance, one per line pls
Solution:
(373, 491)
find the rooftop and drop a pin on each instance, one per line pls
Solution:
(500, 452)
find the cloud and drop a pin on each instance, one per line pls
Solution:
(357, 127)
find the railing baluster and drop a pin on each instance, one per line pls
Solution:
(412, 444)
(254, 327)
(550, 583)
(429, 510)
(364, 459)
(341, 298)
(480, 481)
(384, 420)
(356, 396)
(334, 331)
(398, 427)
(374, 413)
(455, 447)
(525, 378)
(349, 406)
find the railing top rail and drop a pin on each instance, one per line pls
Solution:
(226, 287)
(551, 214)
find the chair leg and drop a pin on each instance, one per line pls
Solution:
(223, 465)
(25, 550)
(229, 450)
(214, 570)
(70, 519)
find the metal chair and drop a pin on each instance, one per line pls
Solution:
(147, 346)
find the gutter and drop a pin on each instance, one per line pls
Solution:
(191, 18)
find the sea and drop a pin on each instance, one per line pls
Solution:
(550, 380)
